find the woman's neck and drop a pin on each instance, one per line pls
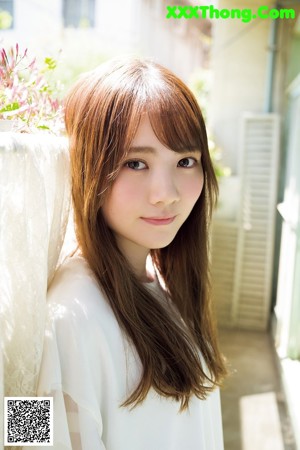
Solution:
(137, 258)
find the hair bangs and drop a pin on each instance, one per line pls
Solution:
(177, 121)
(173, 111)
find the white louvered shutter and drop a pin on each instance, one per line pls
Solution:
(251, 238)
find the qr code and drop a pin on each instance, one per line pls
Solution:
(28, 421)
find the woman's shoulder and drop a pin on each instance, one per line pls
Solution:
(73, 275)
(75, 291)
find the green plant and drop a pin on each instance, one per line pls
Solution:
(200, 83)
(28, 94)
(216, 156)
(5, 20)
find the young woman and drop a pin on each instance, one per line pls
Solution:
(130, 356)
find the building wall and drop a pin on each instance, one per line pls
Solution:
(122, 26)
(36, 22)
(239, 64)
(175, 43)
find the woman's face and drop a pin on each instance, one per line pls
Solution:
(153, 193)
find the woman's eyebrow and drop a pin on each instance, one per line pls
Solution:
(142, 149)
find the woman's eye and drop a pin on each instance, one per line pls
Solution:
(135, 165)
(187, 162)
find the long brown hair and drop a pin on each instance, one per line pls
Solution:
(102, 114)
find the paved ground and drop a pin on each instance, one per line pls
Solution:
(253, 404)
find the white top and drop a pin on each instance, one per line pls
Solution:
(90, 369)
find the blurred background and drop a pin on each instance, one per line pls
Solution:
(247, 79)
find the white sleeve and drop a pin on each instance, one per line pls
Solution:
(74, 428)
(67, 374)
(83, 432)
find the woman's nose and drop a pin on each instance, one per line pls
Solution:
(163, 189)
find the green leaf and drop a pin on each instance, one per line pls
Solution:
(50, 63)
(43, 127)
(11, 107)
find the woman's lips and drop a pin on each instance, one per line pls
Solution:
(158, 220)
